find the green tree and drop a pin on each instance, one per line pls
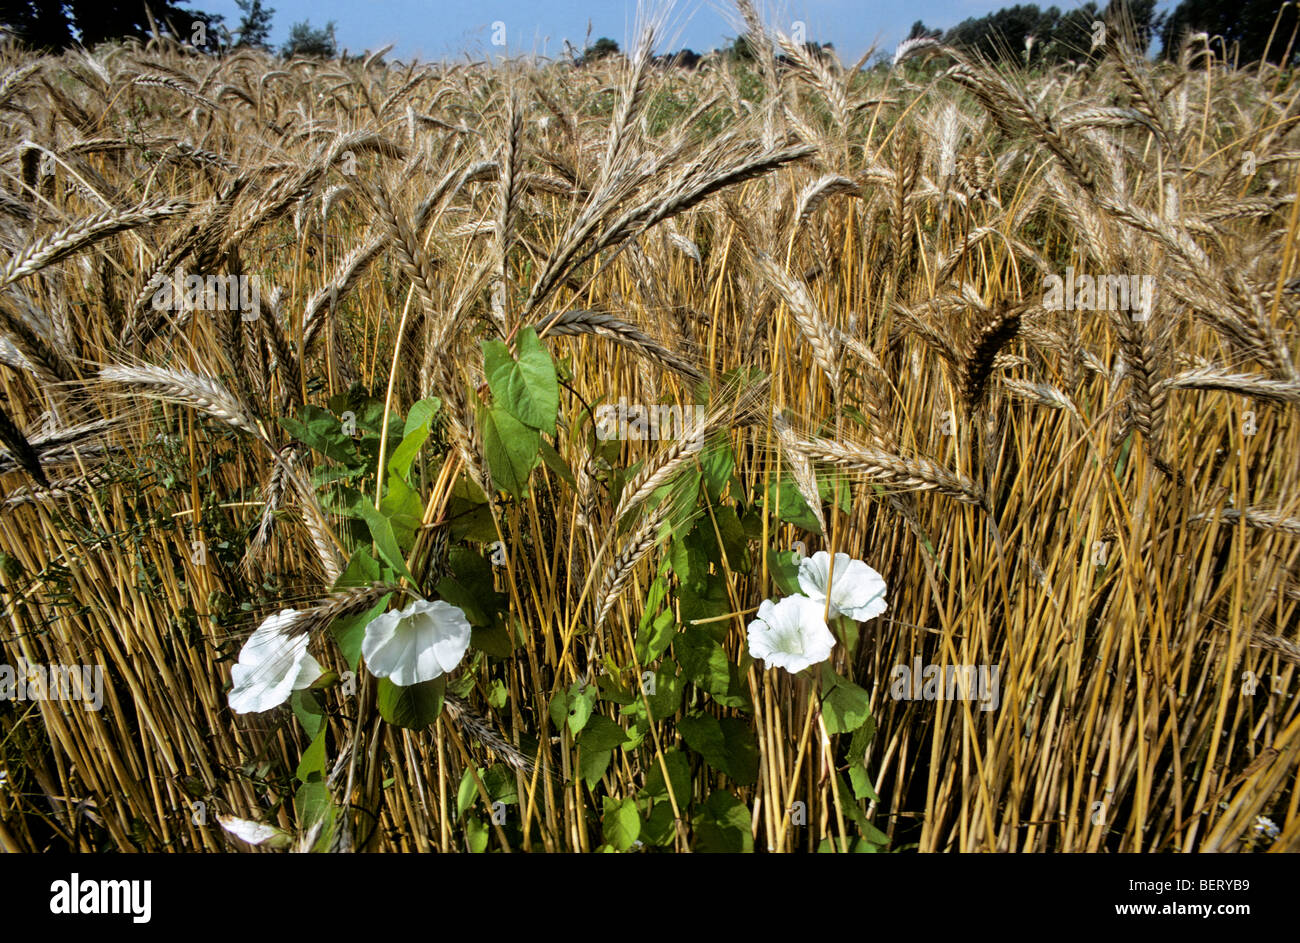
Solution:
(921, 31)
(740, 50)
(1138, 19)
(1057, 36)
(1243, 24)
(255, 25)
(37, 24)
(304, 40)
(602, 47)
(1003, 34)
(58, 24)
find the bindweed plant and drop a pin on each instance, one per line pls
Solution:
(677, 700)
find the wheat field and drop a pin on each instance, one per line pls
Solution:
(845, 272)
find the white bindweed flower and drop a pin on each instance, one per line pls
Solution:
(790, 634)
(1266, 827)
(858, 591)
(255, 833)
(420, 643)
(271, 666)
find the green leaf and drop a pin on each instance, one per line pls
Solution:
(861, 780)
(467, 792)
(658, 827)
(350, 631)
(703, 734)
(491, 640)
(469, 513)
(307, 708)
(707, 602)
(500, 783)
(556, 463)
(849, 807)
(784, 567)
(706, 664)
(845, 706)
(526, 387)
(658, 625)
(472, 588)
(718, 462)
(572, 707)
(511, 449)
(362, 570)
(680, 508)
(592, 765)
(451, 590)
(792, 507)
(381, 532)
(601, 733)
(862, 787)
(311, 767)
(847, 632)
(399, 463)
(727, 745)
(734, 542)
(321, 430)
(836, 489)
(476, 834)
(414, 707)
(679, 775)
(653, 640)
(404, 509)
(620, 822)
(558, 709)
(723, 826)
(597, 742)
(612, 689)
(875, 836)
(421, 414)
(742, 751)
(474, 572)
(667, 699)
(312, 803)
(689, 561)
(751, 519)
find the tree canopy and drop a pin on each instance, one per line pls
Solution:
(306, 40)
(254, 30)
(1246, 24)
(58, 24)
(601, 48)
(1030, 35)
(1036, 36)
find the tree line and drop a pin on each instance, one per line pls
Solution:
(1034, 36)
(1250, 29)
(57, 24)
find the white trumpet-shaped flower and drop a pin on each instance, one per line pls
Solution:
(271, 666)
(419, 643)
(855, 590)
(255, 833)
(790, 634)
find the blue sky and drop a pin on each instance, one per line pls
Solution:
(437, 29)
